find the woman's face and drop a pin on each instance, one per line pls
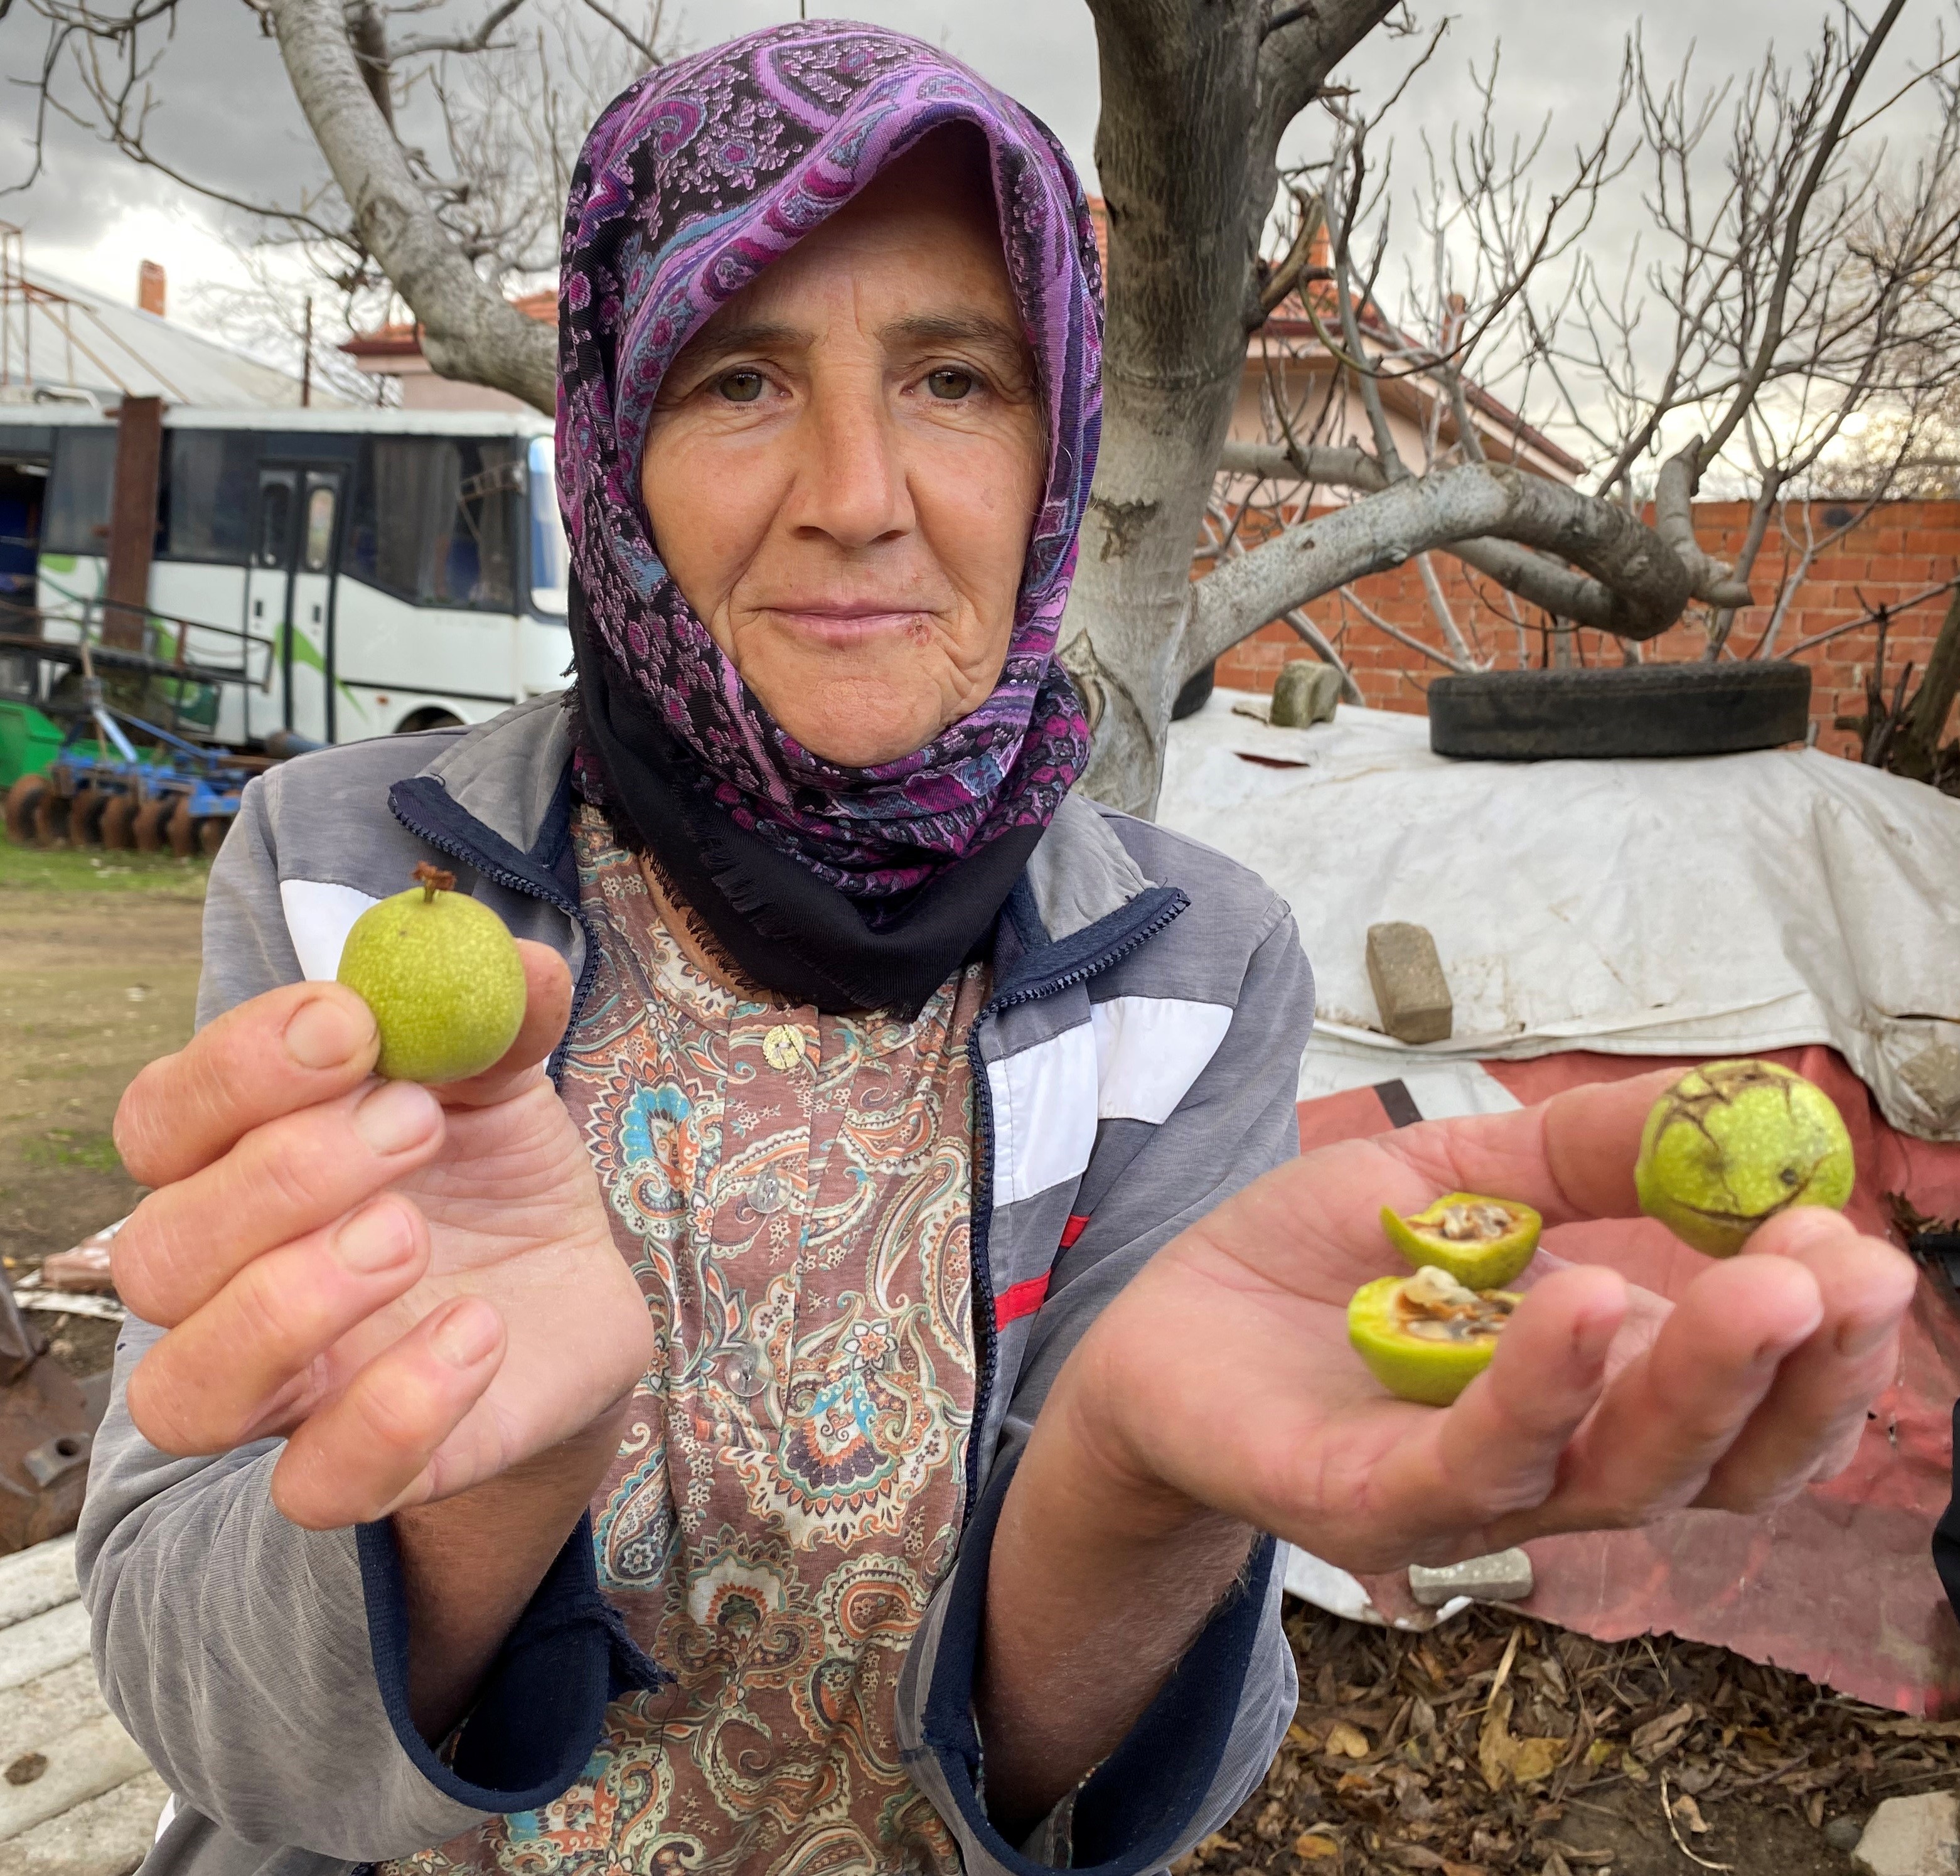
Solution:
(843, 466)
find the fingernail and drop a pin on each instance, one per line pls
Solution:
(374, 1241)
(466, 1336)
(397, 1115)
(325, 1033)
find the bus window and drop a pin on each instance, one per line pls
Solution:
(319, 528)
(550, 560)
(433, 520)
(275, 520)
(207, 496)
(76, 520)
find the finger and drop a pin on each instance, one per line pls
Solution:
(1497, 1451)
(292, 1175)
(1570, 1158)
(369, 1453)
(1668, 1417)
(290, 1049)
(247, 1364)
(547, 1012)
(1809, 1424)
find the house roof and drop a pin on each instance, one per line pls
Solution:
(56, 337)
(402, 338)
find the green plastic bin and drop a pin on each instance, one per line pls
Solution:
(28, 741)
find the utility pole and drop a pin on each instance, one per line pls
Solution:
(306, 361)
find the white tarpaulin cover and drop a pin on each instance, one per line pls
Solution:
(1723, 906)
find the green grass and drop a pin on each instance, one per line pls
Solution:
(37, 869)
(60, 1147)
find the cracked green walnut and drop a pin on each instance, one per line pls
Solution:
(1731, 1144)
(443, 977)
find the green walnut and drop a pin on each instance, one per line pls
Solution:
(1733, 1143)
(443, 977)
(1482, 1243)
(1426, 1337)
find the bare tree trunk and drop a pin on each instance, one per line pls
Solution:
(1919, 744)
(468, 329)
(1195, 99)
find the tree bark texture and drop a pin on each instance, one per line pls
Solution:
(1919, 747)
(469, 330)
(1194, 96)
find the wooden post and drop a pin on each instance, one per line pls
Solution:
(132, 521)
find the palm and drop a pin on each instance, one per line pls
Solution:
(515, 1216)
(1636, 1380)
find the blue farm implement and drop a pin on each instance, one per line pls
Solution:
(102, 789)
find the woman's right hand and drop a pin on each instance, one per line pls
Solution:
(418, 1287)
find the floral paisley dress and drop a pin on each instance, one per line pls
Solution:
(793, 1193)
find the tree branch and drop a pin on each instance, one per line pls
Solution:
(1647, 585)
(469, 330)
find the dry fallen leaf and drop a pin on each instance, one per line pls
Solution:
(1689, 1813)
(1311, 1844)
(1506, 1759)
(1345, 1741)
(1659, 1735)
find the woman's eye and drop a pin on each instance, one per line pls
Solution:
(741, 387)
(949, 384)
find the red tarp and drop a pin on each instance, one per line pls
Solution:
(1839, 1584)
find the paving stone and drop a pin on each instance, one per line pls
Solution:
(1504, 1576)
(1411, 990)
(43, 1643)
(106, 1835)
(44, 1708)
(1912, 1836)
(32, 1580)
(1305, 692)
(94, 1757)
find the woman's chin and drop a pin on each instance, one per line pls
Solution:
(857, 731)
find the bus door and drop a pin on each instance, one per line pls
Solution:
(289, 597)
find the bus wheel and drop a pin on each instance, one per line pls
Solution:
(147, 827)
(117, 818)
(85, 816)
(181, 829)
(430, 717)
(22, 799)
(51, 813)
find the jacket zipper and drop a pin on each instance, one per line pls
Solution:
(516, 882)
(983, 1214)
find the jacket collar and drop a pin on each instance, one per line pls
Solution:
(509, 775)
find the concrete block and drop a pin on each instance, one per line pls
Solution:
(1411, 990)
(1504, 1576)
(107, 1835)
(1305, 692)
(1912, 1836)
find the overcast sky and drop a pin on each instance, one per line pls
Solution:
(227, 116)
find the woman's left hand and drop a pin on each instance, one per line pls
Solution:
(1621, 1390)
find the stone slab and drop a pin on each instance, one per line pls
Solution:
(42, 1578)
(43, 1643)
(1411, 991)
(93, 1758)
(43, 1710)
(107, 1835)
(1912, 1836)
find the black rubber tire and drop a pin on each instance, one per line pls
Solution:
(1195, 694)
(1619, 710)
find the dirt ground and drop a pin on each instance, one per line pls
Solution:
(98, 974)
(1494, 1744)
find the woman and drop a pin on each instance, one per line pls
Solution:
(823, 1423)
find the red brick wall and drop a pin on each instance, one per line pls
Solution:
(1896, 553)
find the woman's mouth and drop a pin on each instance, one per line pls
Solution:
(842, 626)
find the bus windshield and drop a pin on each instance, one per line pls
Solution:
(549, 556)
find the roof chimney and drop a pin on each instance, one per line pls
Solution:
(149, 285)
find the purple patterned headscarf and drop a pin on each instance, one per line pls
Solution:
(694, 180)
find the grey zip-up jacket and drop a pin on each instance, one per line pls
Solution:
(1135, 1065)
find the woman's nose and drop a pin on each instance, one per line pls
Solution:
(850, 482)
